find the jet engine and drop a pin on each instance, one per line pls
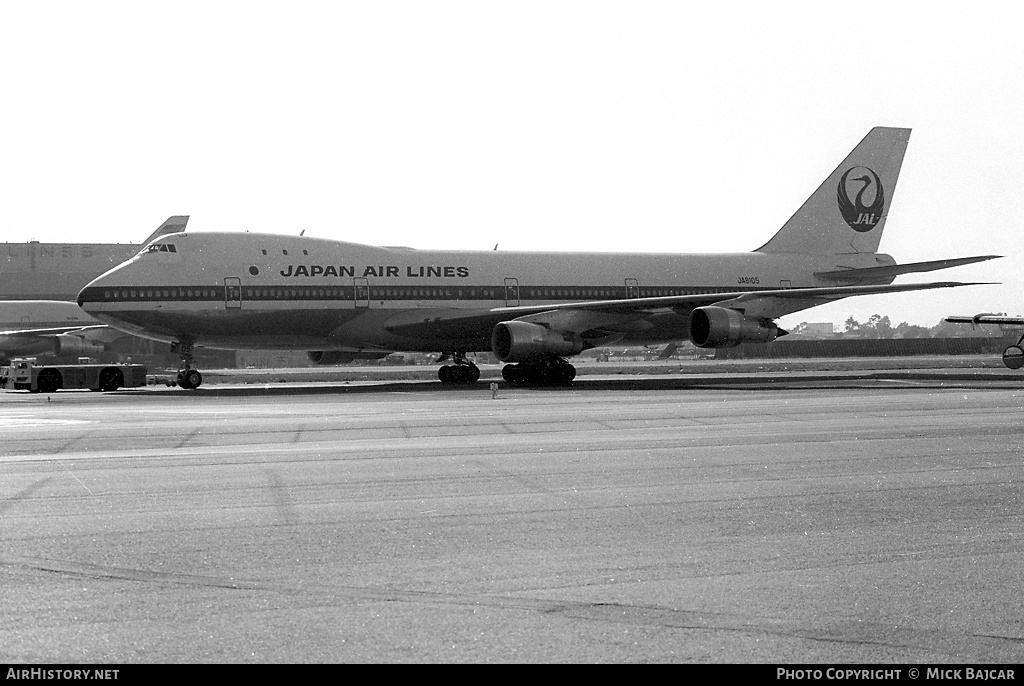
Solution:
(521, 341)
(66, 344)
(720, 327)
(325, 357)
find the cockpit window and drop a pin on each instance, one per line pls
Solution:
(160, 247)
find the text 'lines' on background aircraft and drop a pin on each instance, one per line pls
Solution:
(342, 301)
(59, 271)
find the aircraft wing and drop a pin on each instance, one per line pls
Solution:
(986, 319)
(57, 340)
(738, 300)
(57, 330)
(596, 314)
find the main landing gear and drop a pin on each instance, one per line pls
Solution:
(545, 371)
(188, 376)
(462, 372)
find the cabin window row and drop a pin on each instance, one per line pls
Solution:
(377, 293)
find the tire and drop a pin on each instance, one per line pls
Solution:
(49, 381)
(510, 372)
(111, 379)
(568, 374)
(1013, 357)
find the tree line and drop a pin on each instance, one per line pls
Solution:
(879, 326)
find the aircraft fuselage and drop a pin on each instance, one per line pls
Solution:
(275, 291)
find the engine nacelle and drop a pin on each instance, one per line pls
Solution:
(720, 327)
(521, 341)
(66, 344)
(325, 357)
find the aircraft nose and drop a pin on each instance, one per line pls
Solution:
(83, 298)
(91, 294)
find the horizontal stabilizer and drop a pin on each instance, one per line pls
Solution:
(897, 269)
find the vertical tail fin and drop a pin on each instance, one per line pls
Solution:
(847, 213)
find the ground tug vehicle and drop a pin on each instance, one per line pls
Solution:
(27, 375)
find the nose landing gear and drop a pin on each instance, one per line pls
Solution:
(188, 376)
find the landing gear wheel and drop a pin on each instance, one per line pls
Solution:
(188, 376)
(568, 374)
(459, 374)
(111, 380)
(552, 371)
(512, 373)
(49, 381)
(462, 372)
(191, 378)
(1013, 357)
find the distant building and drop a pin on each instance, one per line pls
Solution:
(818, 329)
(271, 359)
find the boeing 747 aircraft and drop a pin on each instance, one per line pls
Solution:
(342, 301)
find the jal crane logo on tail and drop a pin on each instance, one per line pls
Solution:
(861, 198)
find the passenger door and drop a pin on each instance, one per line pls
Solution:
(361, 292)
(233, 293)
(511, 292)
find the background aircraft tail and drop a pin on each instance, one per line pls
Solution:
(847, 213)
(174, 224)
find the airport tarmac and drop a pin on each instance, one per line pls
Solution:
(802, 520)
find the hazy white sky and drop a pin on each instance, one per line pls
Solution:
(641, 126)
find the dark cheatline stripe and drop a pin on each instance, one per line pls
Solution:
(100, 294)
